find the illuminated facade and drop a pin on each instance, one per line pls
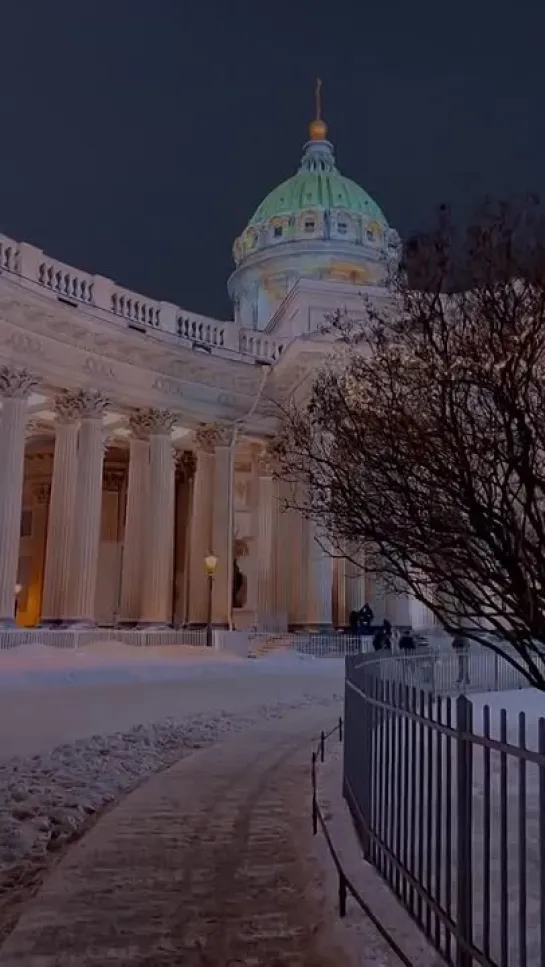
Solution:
(134, 433)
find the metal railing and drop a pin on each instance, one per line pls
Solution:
(82, 637)
(443, 671)
(345, 883)
(450, 809)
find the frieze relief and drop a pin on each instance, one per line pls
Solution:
(41, 492)
(233, 380)
(22, 343)
(113, 480)
(97, 367)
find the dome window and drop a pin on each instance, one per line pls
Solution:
(278, 231)
(370, 235)
(342, 228)
(310, 225)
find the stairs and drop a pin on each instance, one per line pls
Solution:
(262, 645)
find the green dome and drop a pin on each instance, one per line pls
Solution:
(327, 190)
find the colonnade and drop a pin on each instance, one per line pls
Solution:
(178, 507)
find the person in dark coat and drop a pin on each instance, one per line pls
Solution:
(377, 639)
(406, 642)
(386, 634)
(366, 616)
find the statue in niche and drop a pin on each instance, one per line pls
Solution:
(240, 581)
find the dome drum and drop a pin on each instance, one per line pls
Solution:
(316, 224)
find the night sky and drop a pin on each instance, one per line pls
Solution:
(137, 138)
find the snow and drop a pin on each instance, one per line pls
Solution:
(80, 728)
(358, 938)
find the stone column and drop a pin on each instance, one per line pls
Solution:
(320, 581)
(88, 508)
(222, 529)
(340, 612)
(200, 536)
(186, 465)
(297, 533)
(266, 507)
(40, 512)
(130, 606)
(159, 546)
(61, 509)
(283, 563)
(355, 580)
(15, 388)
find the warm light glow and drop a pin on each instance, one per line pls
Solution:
(210, 563)
(18, 588)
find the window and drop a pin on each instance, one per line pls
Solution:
(309, 225)
(278, 231)
(370, 235)
(342, 228)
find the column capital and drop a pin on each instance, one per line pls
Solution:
(80, 405)
(16, 383)
(67, 407)
(151, 422)
(208, 436)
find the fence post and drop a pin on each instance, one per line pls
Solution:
(314, 803)
(322, 747)
(464, 830)
(342, 894)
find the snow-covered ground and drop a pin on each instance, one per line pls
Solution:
(49, 696)
(78, 729)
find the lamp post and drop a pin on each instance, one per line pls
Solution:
(210, 563)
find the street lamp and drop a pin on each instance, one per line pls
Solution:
(210, 564)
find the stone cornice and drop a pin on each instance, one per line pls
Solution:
(62, 359)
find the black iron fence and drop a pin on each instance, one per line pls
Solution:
(448, 798)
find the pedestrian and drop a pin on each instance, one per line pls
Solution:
(460, 645)
(366, 616)
(386, 634)
(406, 641)
(377, 639)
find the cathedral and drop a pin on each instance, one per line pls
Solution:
(135, 477)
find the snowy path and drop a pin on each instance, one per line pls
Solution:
(202, 866)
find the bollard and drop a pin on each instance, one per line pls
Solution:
(322, 747)
(342, 895)
(340, 729)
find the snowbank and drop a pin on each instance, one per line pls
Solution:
(46, 801)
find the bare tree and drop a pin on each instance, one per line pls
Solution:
(424, 436)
